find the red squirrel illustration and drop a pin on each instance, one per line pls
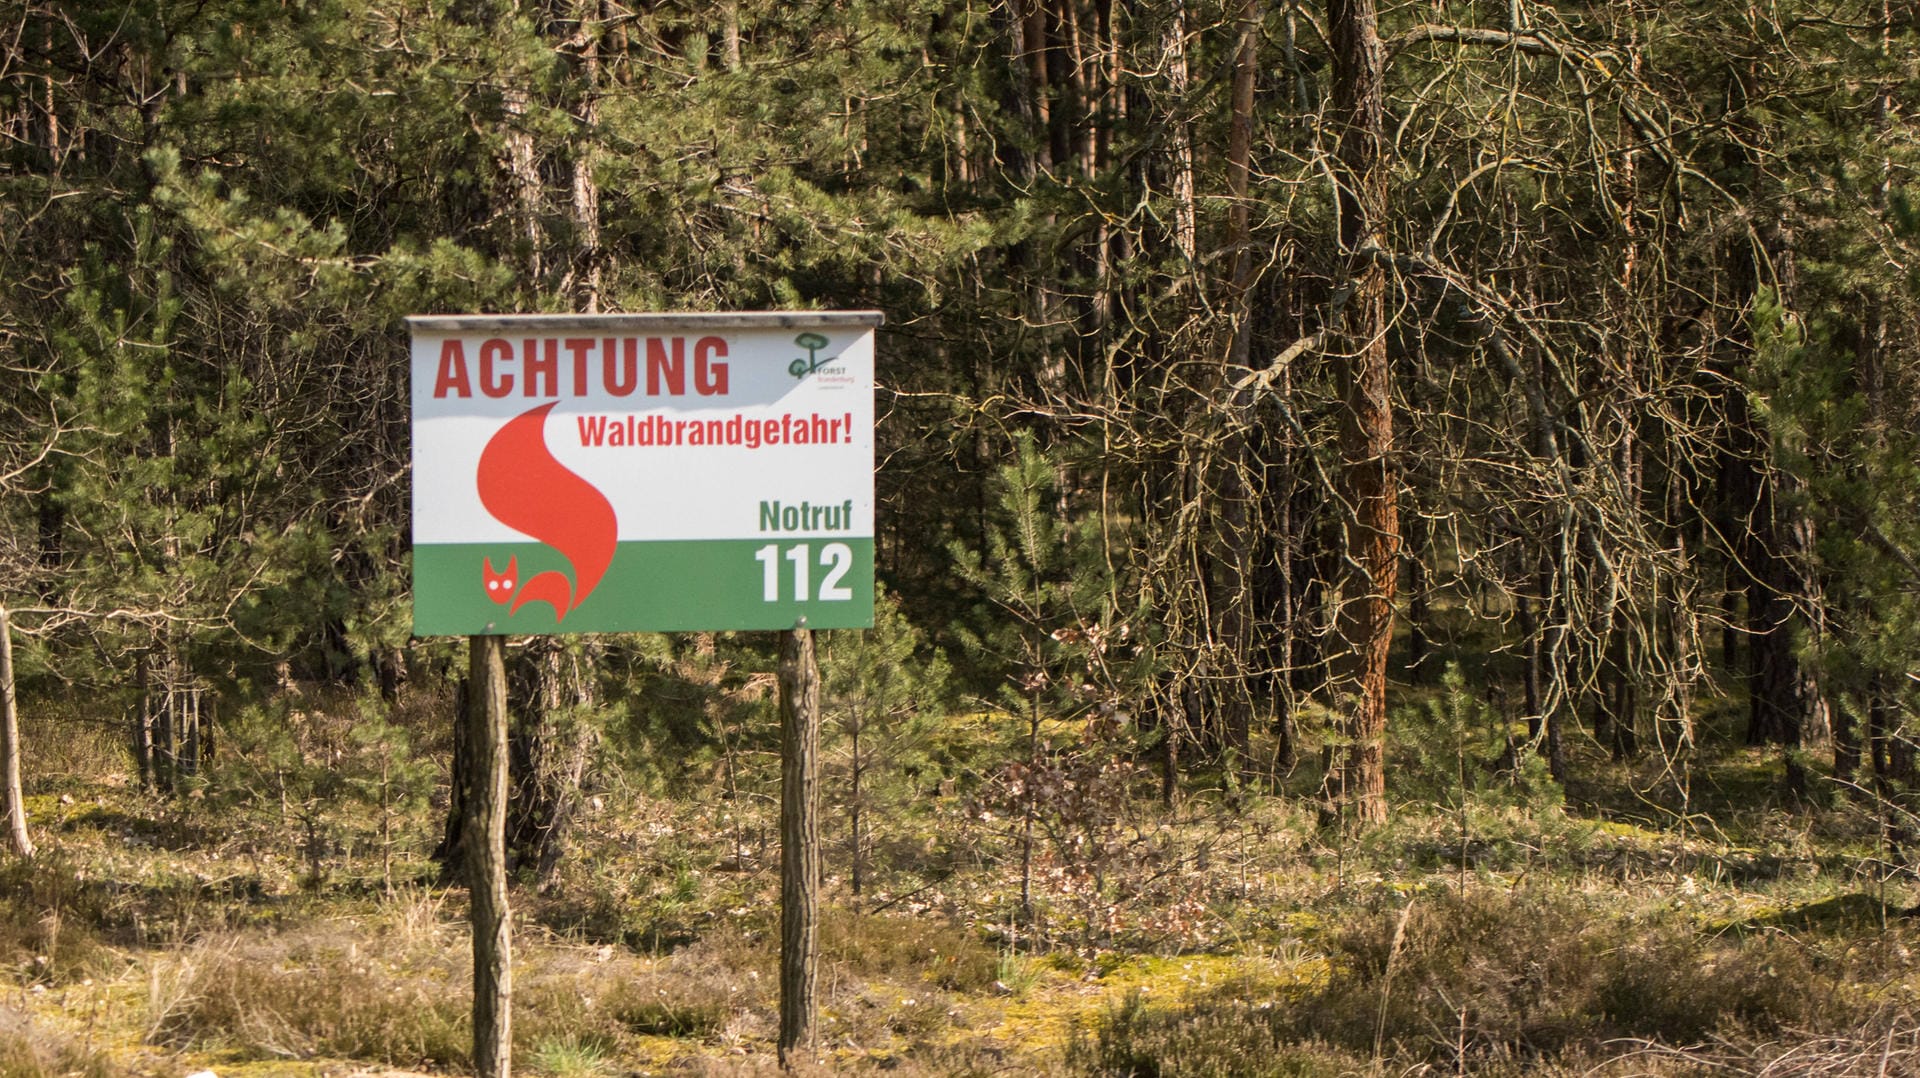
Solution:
(526, 489)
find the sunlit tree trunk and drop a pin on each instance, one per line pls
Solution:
(16, 802)
(1372, 533)
(485, 858)
(1231, 601)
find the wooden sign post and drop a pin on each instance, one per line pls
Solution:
(634, 473)
(799, 839)
(486, 854)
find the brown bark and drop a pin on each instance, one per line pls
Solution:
(1372, 537)
(586, 190)
(1076, 113)
(1176, 709)
(1621, 702)
(548, 749)
(1775, 548)
(1239, 169)
(1051, 34)
(164, 734)
(1029, 41)
(1180, 135)
(1874, 349)
(451, 852)
(1231, 601)
(799, 839)
(487, 860)
(143, 723)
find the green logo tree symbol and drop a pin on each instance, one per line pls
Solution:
(812, 342)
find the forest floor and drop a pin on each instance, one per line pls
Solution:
(1503, 927)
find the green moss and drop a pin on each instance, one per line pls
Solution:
(1839, 914)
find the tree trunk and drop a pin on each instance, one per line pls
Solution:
(143, 722)
(1846, 748)
(1180, 135)
(1418, 607)
(548, 745)
(1541, 730)
(586, 191)
(730, 35)
(1372, 537)
(548, 750)
(523, 175)
(1231, 598)
(16, 803)
(1028, 37)
(857, 872)
(165, 757)
(1788, 707)
(1620, 697)
(1280, 604)
(799, 838)
(1166, 706)
(451, 852)
(486, 858)
(1775, 547)
(1177, 706)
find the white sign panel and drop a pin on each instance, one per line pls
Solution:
(613, 473)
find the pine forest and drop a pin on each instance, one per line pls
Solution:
(1396, 527)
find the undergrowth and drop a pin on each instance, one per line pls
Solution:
(27, 1051)
(1515, 981)
(1492, 928)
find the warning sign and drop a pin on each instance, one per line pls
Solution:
(617, 473)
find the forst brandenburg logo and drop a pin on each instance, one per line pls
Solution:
(812, 342)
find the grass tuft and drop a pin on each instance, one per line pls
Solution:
(874, 945)
(29, 1052)
(572, 1057)
(1500, 981)
(48, 928)
(272, 999)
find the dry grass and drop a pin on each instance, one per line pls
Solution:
(602, 996)
(1869, 1050)
(27, 1051)
(1501, 982)
(907, 948)
(50, 924)
(385, 998)
(1631, 950)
